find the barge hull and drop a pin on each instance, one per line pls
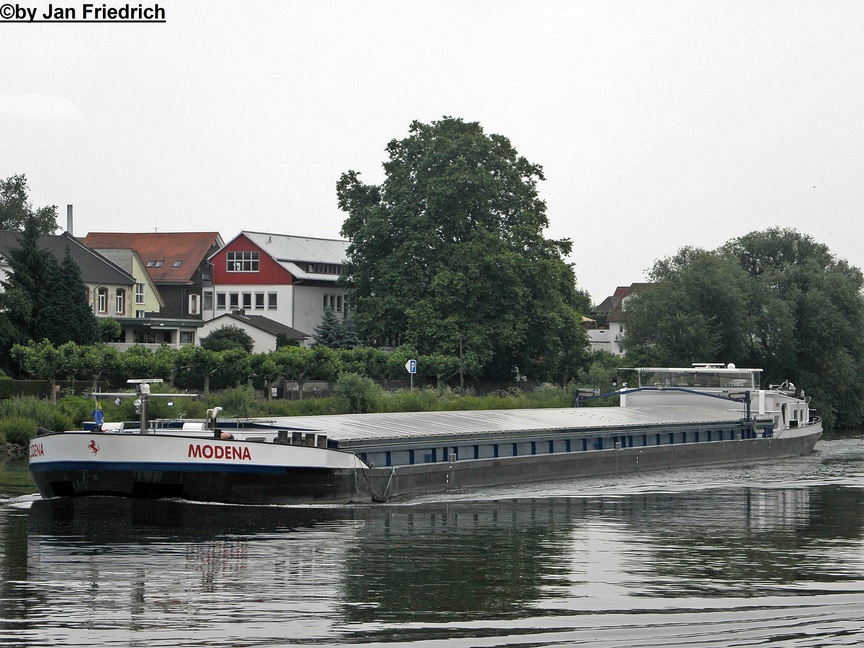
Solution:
(287, 486)
(392, 482)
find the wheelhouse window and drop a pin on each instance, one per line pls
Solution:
(241, 261)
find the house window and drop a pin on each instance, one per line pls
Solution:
(241, 261)
(187, 337)
(271, 301)
(259, 301)
(234, 301)
(102, 300)
(220, 301)
(324, 268)
(333, 302)
(194, 304)
(207, 301)
(140, 314)
(120, 302)
(247, 301)
(139, 293)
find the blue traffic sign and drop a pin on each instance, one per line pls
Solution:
(411, 366)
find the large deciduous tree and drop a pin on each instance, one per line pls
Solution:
(16, 209)
(775, 299)
(449, 250)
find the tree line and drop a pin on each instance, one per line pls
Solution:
(776, 300)
(202, 369)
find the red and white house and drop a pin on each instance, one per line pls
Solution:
(288, 279)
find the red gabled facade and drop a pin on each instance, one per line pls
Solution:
(269, 271)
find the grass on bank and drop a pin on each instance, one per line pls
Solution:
(20, 417)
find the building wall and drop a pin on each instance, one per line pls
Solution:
(309, 306)
(151, 300)
(607, 339)
(111, 291)
(222, 305)
(269, 271)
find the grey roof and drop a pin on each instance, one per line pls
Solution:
(123, 257)
(95, 268)
(289, 251)
(264, 324)
(413, 426)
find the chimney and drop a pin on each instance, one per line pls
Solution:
(69, 220)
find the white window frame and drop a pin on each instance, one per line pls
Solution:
(237, 261)
(120, 302)
(102, 301)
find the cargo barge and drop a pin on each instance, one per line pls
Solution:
(674, 418)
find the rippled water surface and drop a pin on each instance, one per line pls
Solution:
(759, 555)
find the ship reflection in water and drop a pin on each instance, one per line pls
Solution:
(693, 565)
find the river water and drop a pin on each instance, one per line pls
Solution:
(756, 555)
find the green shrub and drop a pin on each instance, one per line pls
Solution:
(77, 409)
(46, 414)
(237, 401)
(357, 394)
(17, 429)
(7, 387)
(305, 407)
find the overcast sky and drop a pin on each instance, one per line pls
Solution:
(659, 124)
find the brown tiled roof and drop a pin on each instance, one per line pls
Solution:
(169, 248)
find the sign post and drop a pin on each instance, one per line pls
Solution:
(411, 368)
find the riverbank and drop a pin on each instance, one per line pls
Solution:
(13, 450)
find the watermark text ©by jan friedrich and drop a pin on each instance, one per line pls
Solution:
(83, 13)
